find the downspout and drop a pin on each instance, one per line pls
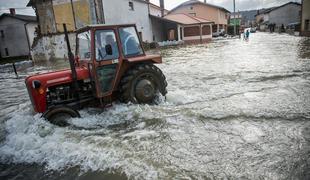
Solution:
(200, 33)
(28, 39)
(99, 11)
(73, 13)
(301, 23)
(54, 17)
(148, 6)
(96, 12)
(103, 17)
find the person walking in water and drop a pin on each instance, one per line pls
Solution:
(247, 34)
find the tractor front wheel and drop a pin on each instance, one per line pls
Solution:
(60, 115)
(142, 83)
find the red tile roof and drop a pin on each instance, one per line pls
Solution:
(186, 19)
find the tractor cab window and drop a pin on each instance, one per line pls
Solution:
(106, 45)
(130, 42)
(84, 45)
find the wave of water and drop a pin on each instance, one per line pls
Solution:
(235, 110)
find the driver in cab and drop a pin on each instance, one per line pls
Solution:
(101, 50)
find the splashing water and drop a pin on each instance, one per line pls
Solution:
(234, 110)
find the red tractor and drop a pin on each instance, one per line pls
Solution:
(110, 64)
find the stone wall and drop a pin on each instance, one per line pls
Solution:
(49, 48)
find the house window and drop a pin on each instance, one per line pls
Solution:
(2, 33)
(131, 7)
(214, 28)
(191, 7)
(206, 30)
(6, 51)
(191, 31)
(192, 14)
(171, 34)
(307, 25)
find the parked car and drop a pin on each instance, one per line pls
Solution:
(221, 32)
(253, 30)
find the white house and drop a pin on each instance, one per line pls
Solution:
(17, 33)
(129, 12)
(156, 10)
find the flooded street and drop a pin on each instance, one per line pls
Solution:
(234, 110)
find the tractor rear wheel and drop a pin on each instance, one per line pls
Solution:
(142, 83)
(60, 115)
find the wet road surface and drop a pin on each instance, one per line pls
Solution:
(234, 110)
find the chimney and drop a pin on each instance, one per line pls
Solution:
(12, 11)
(162, 7)
(205, 1)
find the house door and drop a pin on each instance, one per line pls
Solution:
(171, 35)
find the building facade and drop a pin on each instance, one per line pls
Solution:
(235, 19)
(305, 18)
(156, 10)
(216, 14)
(16, 35)
(52, 14)
(284, 15)
(129, 12)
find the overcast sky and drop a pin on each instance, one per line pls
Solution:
(20, 5)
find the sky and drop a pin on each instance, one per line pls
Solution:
(20, 5)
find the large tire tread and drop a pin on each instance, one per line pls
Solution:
(127, 81)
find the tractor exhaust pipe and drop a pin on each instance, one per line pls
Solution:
(72, 65)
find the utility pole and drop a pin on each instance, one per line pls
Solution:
(235, 28)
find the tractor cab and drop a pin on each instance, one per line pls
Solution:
(105, 49)
(110, 64)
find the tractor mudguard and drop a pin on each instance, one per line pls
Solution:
(157, 59)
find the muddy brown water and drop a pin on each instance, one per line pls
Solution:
(234, 110)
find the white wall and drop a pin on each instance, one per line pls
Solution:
(15, 39)
(155, 11)
(118, 12)
(285, 15)
(52, 47)
(31, 27)
(266, 17)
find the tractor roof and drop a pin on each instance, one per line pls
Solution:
(101, 26)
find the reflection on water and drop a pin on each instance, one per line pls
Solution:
(234, 110)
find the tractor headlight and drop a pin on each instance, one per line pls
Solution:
(36, 84)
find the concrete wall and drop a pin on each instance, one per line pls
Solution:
(15, 38)
(52, 48)
(285, 15)
(45, 13)
(210, 13)
(305, 16)
(31, 28)
(158, 30)
(63, 14)
(155, 11)
(118, 12)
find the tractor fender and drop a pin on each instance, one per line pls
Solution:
(156, 59)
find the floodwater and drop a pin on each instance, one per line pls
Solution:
(234, 110)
